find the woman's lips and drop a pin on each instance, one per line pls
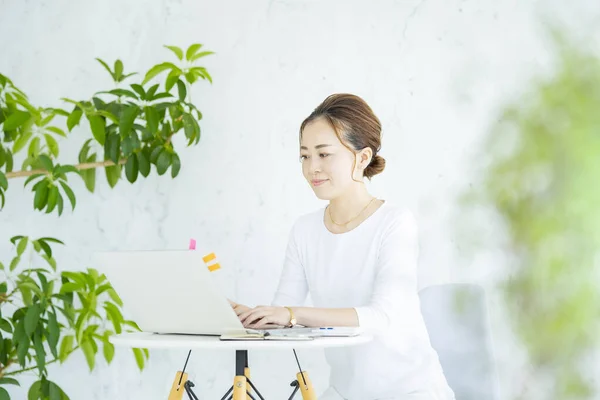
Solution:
(318, 182)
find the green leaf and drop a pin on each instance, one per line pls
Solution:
(109, 351)
(46, 162)
(113, 174)
(152, 119)
(155, 153)
(63, 169)
(127, 118)
(52, 199)
(4, 324)
(41, 196)
(71, 287)
(56, 130)
(88, 351)
(69, 194)
(139, 358)
(157, 69)
(53, 333)
(175, 165)
(122, 92)
(46, 120)
(3, 181)
(114, 297)
(133, 325)
(22, 246)
(89, 175)
(163, 162)
(14, 239)
(14, 263)
(3, 393)
(98, 127)
(201, 54)
(192, 50)
(32, 316)
(114, 315)
(52, 144)
(181, 90)
(178, 52)
(9, 381)
(143, 163)
(60, 204)
(107, 68)
(139, 89)
(16, 119)
(35, 391)
(191, 77)
(201, 72)
(118, 70)
(191, 128)
(56, 393)
(172, 79)
(83, 153)
(44, 246)
(34, 147)
(51, 261)
(21, 141)
(112, 147)
(151, 91)
(128, 75)
(40, 353)
(74, 118)
(66, 346)
(131, 168)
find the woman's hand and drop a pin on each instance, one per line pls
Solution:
(238, 308)
(265, 317)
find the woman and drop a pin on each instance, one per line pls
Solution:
(358, 259)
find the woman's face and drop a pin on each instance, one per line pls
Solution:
(327, 164)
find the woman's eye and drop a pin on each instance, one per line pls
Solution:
(302, 158)
(323, 155)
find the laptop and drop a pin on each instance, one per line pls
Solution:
(169, 292)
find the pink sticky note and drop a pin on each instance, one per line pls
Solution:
(192, 244)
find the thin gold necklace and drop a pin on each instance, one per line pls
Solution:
(356, 216)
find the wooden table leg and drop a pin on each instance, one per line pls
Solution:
(177, 390)
(306, 387)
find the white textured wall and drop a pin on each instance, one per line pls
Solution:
(433, 71)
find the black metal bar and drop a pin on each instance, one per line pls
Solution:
(241, 362)
(227, 394)
(296, 386)
(299, 367)
(188, 385)
(184, 365)
(250, 395)
(255, 389)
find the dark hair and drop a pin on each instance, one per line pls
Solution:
(355, 125)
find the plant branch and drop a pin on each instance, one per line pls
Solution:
(35, 366)
(98, 164)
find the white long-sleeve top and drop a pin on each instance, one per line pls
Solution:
(373, 269)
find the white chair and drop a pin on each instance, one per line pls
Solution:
(457, 321)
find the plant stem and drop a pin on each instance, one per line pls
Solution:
(35, 366)
(107, 163)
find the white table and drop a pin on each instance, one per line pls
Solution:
(241, 347)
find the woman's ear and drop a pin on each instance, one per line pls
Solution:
(365, 157)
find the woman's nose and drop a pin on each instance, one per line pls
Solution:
(315, 165)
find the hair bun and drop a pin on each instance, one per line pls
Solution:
(376, 166)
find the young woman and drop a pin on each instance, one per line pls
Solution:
(358, 259)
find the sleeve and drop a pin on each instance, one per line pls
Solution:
(394, 296)
(293, 287)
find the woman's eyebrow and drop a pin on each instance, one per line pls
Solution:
(319, 146)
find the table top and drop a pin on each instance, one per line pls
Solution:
(162, 341)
